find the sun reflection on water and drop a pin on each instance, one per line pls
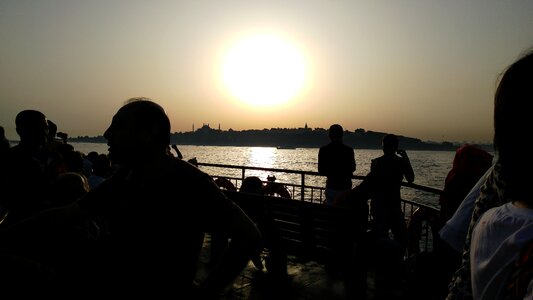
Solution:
(264, 157)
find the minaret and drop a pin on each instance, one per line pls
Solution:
(192, 127)
(218, 126)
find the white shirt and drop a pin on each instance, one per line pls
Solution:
(497, 240)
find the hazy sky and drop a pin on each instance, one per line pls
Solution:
(425, 69)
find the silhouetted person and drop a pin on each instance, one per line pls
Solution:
(154, 212)
(276, 188)
(337, 162)
(24, 168)
(386, 175)
(469, 164)
(501, 222)
(252, 184)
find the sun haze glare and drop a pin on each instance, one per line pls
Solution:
(263, 71)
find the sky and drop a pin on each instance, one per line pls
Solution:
(425, 69)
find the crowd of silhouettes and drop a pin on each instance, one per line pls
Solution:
(138, 232)
(132, 222)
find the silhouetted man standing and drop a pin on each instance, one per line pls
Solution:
(336, 161)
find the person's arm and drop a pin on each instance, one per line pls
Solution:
(180, 156)
(33, 229)
(408, 169)
(352, 161)
(225, 218)
(245, 242)
(321, 163)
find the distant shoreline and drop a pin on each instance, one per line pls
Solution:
(487, 148)
(284, 138)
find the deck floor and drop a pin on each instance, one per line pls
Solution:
(306, 280)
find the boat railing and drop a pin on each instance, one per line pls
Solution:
(303, 189)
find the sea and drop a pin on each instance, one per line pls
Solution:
(430, 167)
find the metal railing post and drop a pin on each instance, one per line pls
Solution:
(303, 188)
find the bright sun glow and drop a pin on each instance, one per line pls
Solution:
(264, 71)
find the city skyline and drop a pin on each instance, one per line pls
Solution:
(303, 137)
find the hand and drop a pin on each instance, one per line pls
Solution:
(402, 153)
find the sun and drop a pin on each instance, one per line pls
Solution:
(264, 71)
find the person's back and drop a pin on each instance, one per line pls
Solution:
(386, 175)
(157, 226)
(337, 162)
(496, 241)
(156, 209)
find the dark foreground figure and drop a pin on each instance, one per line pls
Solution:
(139, 233)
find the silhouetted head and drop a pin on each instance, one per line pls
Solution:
(471, 158)
(390, 144)
(512, 126)
(140, 130)
(335, 132)
(252, 184)
(32, 127)
(68, 187)
(92, 156)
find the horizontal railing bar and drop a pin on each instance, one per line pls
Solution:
(359, 177)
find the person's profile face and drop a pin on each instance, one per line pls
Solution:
(121, 137)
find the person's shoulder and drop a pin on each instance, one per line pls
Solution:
(187, 172)
(326, 146)
(348, 147)
(377, 159)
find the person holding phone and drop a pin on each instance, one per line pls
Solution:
(386, 175)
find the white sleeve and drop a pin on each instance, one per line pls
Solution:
(456, 228)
